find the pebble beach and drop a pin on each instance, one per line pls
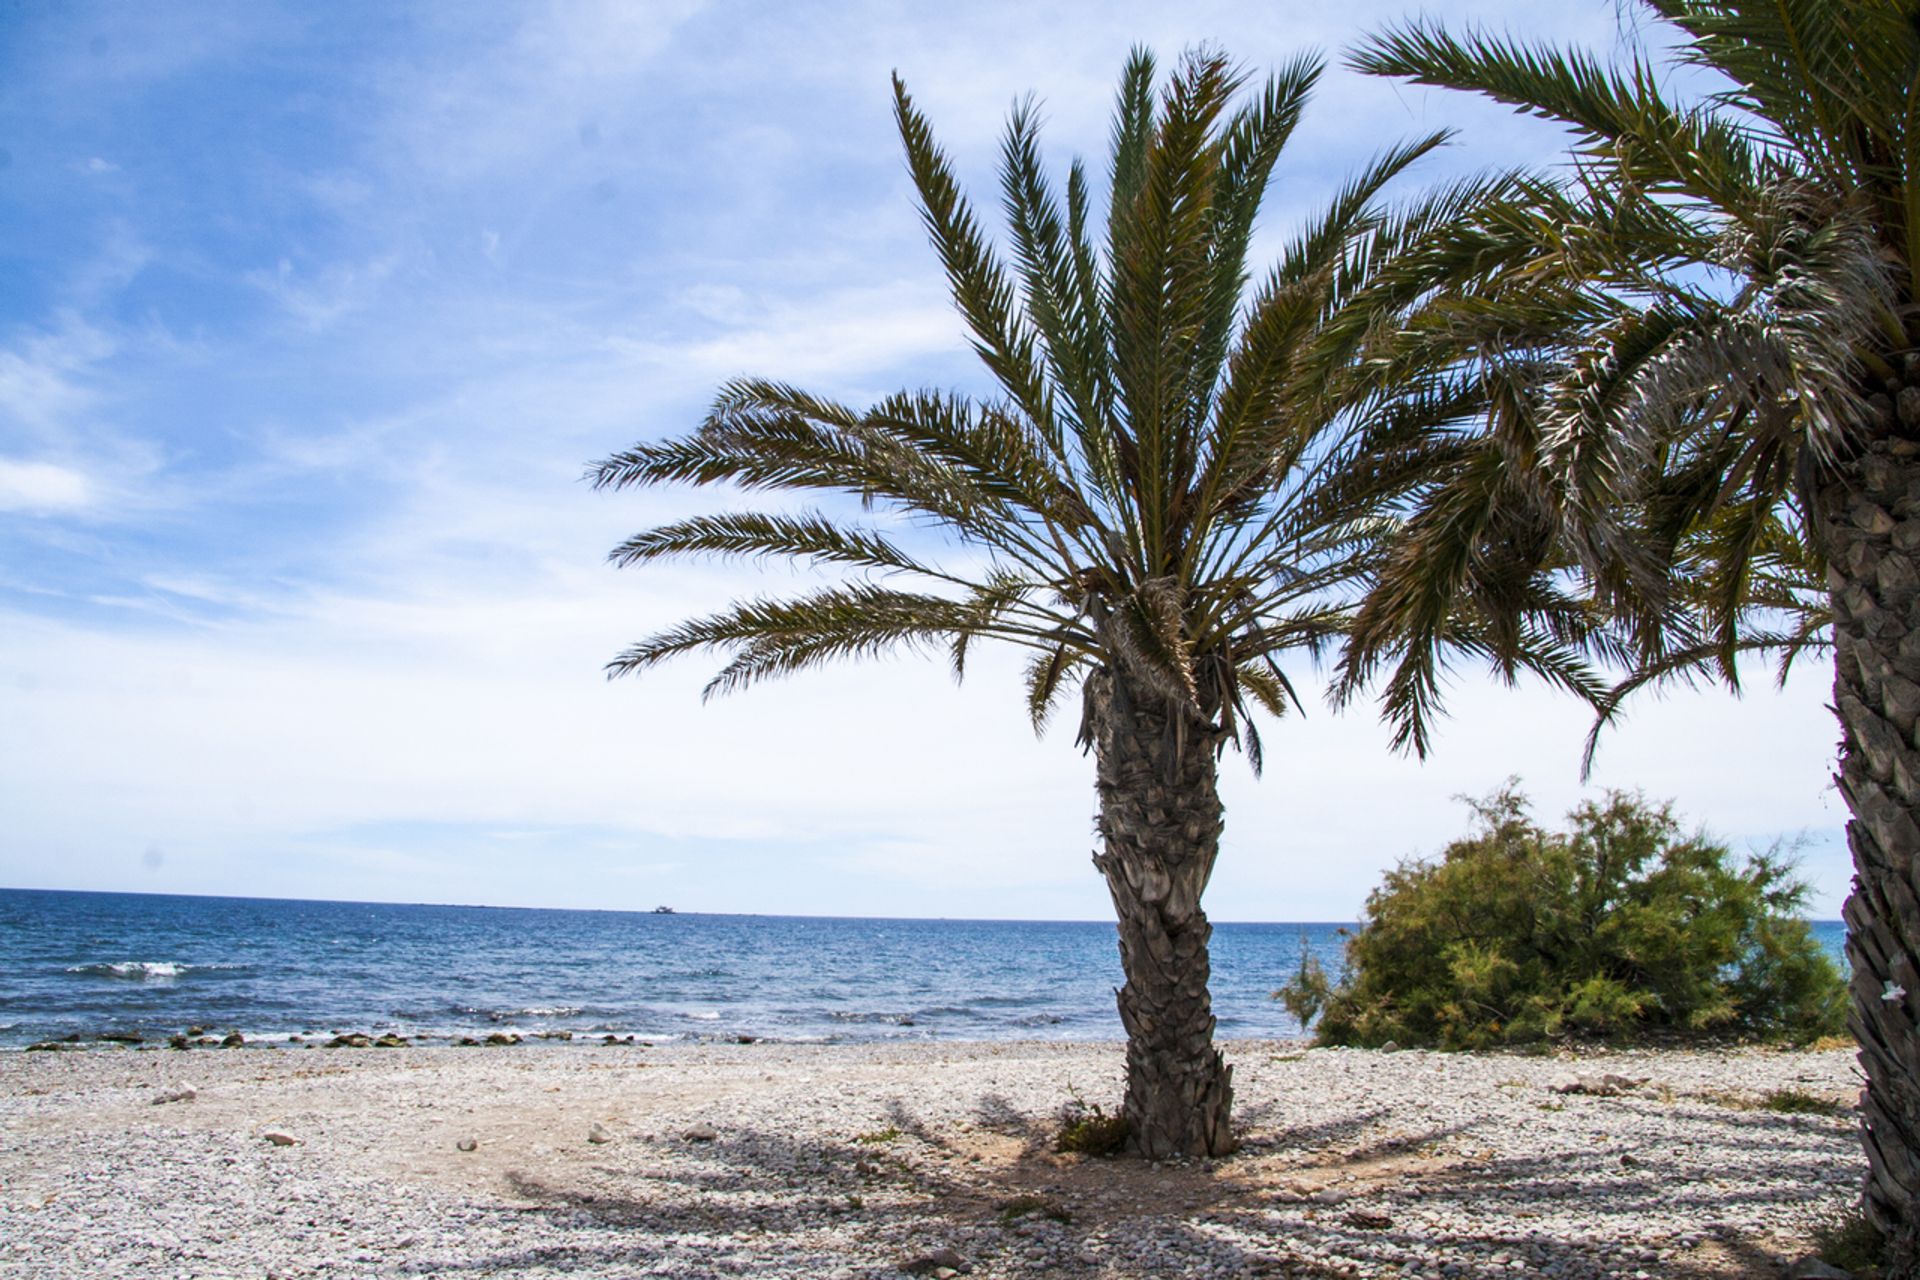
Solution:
(878, 1160)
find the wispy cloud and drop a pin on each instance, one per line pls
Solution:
(44, 391)
(319, 300)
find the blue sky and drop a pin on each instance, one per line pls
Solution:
(312, 316)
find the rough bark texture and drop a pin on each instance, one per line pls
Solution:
(1160, 818)
(1870, 515)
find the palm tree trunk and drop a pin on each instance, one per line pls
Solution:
(1870, 512)
(1160, 819)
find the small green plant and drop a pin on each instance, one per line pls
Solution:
(1088, 1130)
(1798, 1102)
(1093, 1134)
(1848, 1241)
(1792, 1102)
(1621, 927)
(1028, 1205)
(877, 1136)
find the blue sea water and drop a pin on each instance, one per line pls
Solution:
(152, 964)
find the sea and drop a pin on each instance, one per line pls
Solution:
(84, 965)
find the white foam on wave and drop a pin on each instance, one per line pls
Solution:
(144, 970)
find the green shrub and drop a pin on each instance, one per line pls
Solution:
(1306, 993)
(1621, 927)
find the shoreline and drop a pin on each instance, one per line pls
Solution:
(201, 1041)
(854, 1159)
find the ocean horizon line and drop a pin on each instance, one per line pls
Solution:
(634, 911)
(678, 911)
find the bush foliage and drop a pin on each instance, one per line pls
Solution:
(1620, 927)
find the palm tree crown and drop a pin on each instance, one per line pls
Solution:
(1704, 312)
(1165, 480)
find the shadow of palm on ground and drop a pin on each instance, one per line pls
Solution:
(1343, 1196)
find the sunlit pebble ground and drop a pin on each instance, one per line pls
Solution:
(1356, 1164)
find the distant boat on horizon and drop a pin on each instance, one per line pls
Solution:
(663, 911)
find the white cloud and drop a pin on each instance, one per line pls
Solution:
(442, 710)
(856, 331)
(42, 487)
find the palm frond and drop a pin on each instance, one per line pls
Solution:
(1618, 114)
(1046, 676)
(811, 537)
(979, 283)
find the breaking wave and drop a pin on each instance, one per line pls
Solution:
(143, 970)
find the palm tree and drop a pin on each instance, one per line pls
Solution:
(1175, 483)
(1716, 309)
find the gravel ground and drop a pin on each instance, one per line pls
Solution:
(850, 1161)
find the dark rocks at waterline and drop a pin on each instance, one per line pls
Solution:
(361, 1040)
(236, 1039)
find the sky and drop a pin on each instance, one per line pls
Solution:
(311, 318)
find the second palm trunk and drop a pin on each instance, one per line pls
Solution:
(1872, 531)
